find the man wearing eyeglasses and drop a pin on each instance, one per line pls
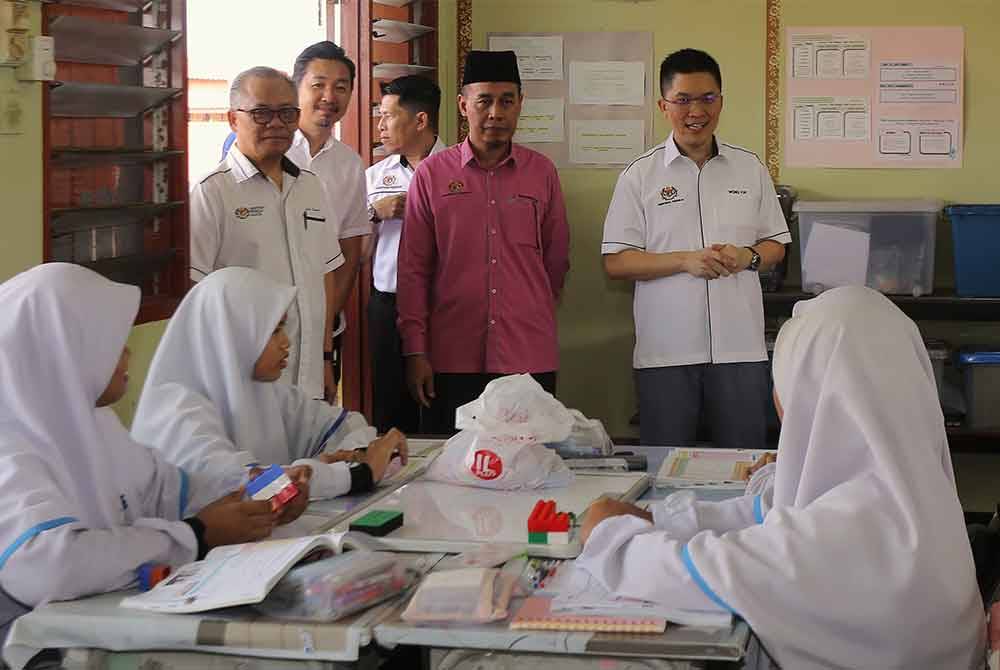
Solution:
(258, 209)
(691, 222)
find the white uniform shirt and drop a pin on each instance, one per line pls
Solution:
(386, 178)
(240, 217)
(342, 174)
(663, 203)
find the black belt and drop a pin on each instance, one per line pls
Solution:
(383, 295)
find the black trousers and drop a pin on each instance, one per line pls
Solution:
(733, 397)
(392, 405)
(452, 390)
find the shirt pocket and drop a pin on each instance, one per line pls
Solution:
(737, 215)
(523, 225)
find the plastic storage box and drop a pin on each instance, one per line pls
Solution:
(976, 232)
(885, 244)
(982, 388)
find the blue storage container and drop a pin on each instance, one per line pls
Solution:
(976, 231)
(981, 370)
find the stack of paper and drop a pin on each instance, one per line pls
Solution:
(574, 591)
(710, 468)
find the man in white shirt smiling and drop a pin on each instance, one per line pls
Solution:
(408, 116)
(324, 77)
(258, 209)
(691, 222)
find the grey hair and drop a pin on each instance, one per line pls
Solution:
(238, 88)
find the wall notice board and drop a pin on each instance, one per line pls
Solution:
(588, 96)
(874, 97)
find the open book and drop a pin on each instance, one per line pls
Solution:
(239, 574)
(711, 468)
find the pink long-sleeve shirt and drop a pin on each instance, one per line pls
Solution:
(482, 260)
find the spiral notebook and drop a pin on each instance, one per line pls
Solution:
(536, 614)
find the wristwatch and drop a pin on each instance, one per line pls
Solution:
(372, 214)
(754, 260)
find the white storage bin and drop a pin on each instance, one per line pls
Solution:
(885, 244)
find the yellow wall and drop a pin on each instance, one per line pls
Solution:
(21, 174)
(595, 318)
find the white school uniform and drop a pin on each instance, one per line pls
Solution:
(202, 408)
(664, 203)
(81, 504)
(390, 176)
(239, 217)
(342, 174)
(861, 559)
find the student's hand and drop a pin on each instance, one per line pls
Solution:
(605, 508)
(761, 462)
(736, 259)
(420, 379)
(382, 450)
(232, 520)
(293, 509)
(706, 264)
(329, 385)
(346, 455)
(392, 207)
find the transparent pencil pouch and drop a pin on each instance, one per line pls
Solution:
(469, 595)
(332, 588)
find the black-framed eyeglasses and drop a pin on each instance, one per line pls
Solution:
(263, 115)
(706, 100)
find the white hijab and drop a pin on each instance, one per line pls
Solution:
(61, 335)
(204, 367)
(863, 561)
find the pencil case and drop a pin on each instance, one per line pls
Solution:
(333, 588)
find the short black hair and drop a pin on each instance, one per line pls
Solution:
(416, 94)
(687, 61)
(325, 50)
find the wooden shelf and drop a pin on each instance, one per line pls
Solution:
(134, 269)
(67, 220)
(114, 5)
(74, 157)
(87, 100)
(393, 70)
(81, 40)
(944, 305)
(398, 32)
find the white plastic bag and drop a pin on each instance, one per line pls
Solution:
(499, 462)
(586, 438)
(500, 445)
(516, 406)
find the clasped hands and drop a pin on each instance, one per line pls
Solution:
(718, 260)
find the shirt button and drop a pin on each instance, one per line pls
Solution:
(493, 261)
(493, 231)
(493, 291)
(493, 322)
(491, 173)
(493, 202)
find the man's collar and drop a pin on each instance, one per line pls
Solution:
(672, 151)
(468, 155)
(436, 147)
(300, 139)
(244, 168)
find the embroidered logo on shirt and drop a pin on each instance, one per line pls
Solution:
(669, 195)
(738, 191)
(456, 186)
(244, 212)
(389, 180)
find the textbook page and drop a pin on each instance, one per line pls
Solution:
(239, 574)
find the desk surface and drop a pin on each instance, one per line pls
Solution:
(98, 622)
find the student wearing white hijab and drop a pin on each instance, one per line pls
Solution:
(210, 405)
(82, 506)
(858, 557)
